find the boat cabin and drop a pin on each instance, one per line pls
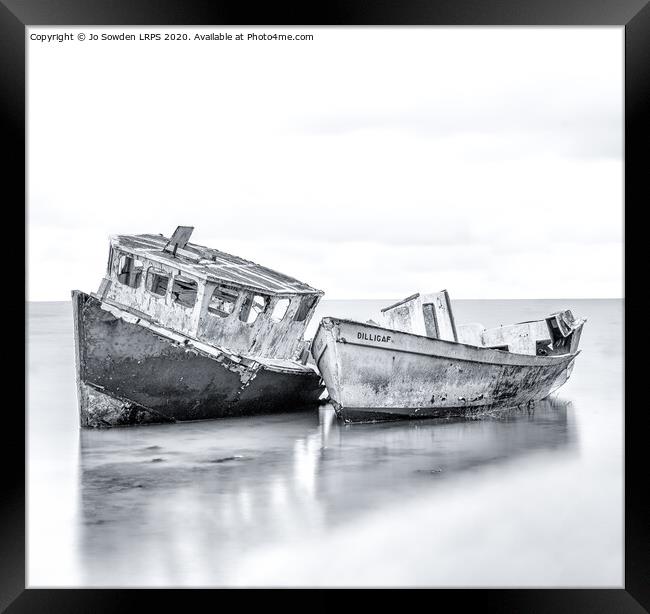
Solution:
(208, 295)
(423, 314)
(431, 315)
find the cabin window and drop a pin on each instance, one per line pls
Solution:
(222, 301)
(129, 271)
(184, 291)
(280, 309)
(305, 307)
(254, 305)
(157, 282)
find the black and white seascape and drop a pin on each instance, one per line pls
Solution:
(378, 165)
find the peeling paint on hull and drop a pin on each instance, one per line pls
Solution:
(373, 373)
(128, 373)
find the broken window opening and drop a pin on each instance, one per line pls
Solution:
(222, 301)
(109, 266)
(129, 271)
(305, 307)
(184, 291)
(280, 309)
(157, 282)
(252, 307)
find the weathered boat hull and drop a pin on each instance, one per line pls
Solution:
(373, 373)
(130, 371)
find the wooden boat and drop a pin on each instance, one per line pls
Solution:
(179, 331)
(419, 364)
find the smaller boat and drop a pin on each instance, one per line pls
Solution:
(178, 331)
(419, 364)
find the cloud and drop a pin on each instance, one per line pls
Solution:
(420, 154)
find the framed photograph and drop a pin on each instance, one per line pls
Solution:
(326, 301)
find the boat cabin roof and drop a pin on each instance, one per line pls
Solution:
(212, 265)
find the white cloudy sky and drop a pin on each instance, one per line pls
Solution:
(369, 162)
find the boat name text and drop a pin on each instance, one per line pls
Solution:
(376, 337)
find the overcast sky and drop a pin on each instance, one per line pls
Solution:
(369, 162)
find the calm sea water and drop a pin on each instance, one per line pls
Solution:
(523, 498)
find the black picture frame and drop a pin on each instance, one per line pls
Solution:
(634, 15)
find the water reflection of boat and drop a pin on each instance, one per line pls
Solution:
(184, 502)
(447, 447)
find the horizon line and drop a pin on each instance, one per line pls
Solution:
(538, 298)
